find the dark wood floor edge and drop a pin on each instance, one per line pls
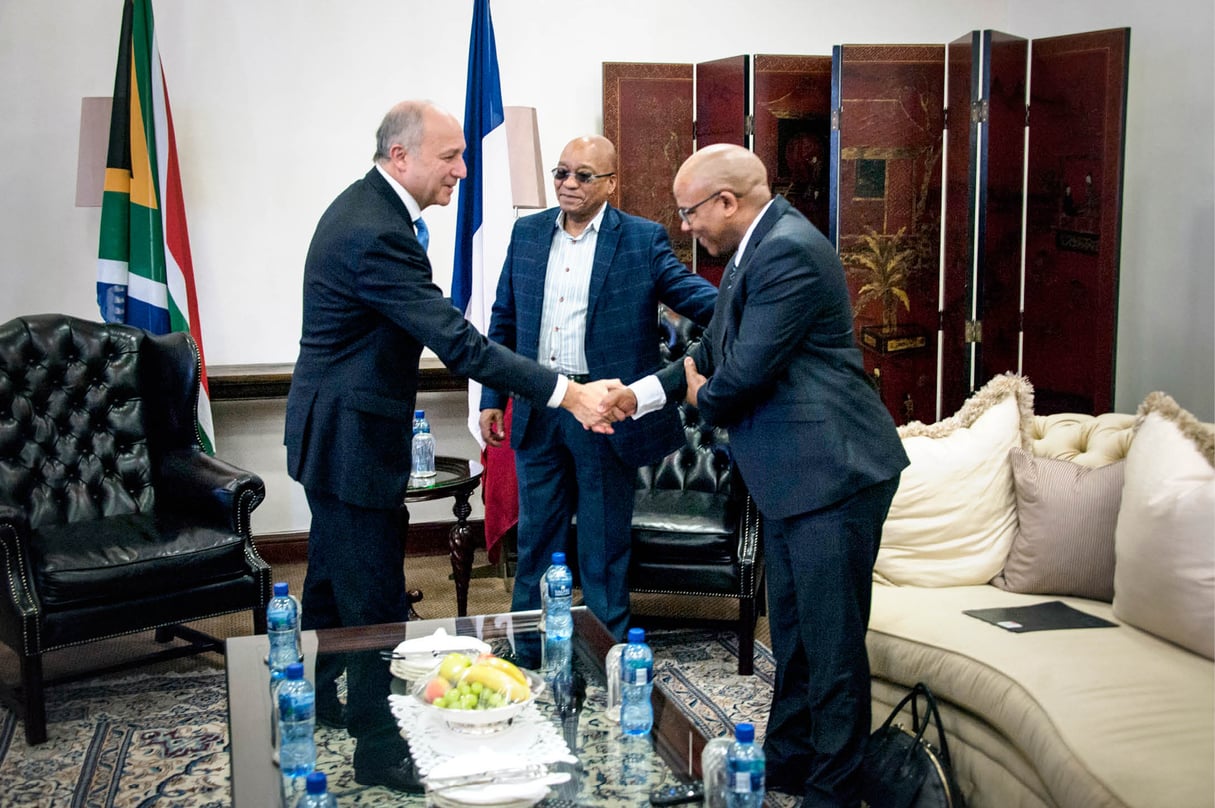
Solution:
(425, 538)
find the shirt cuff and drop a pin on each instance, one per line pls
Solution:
(650, 395)
(563, 384)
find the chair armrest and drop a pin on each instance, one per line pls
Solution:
(750, 548)
(194, 482)
(21, 602)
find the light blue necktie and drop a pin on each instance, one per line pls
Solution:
(423, 233)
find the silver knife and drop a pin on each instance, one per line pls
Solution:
(521, 774)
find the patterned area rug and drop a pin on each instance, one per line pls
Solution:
(144, 740)
(161, 740)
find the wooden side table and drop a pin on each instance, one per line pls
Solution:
(458, 478)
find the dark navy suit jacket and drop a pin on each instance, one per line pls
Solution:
(634, 270)
(785, 375)
(370, 306)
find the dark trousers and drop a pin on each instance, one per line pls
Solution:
(565, 469)
(356, 577)
(819, 567)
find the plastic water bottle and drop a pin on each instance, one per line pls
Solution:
(283, 630)
(745, 769)
(418, 417)
(296, 723)
(636, 685)
(556, 595)
(316, 793)
(423, 451)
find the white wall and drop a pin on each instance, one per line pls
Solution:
(275, 104)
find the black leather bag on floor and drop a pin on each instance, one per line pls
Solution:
(902, 767)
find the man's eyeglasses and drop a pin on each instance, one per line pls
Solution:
(686, 213)
(583, 177)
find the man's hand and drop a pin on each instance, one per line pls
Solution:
(616, 406)
(695, 380)
(493, 427)
(582, 400)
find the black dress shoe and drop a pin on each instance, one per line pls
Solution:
(400, 776)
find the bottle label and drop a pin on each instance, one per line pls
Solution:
(641, 675)
(560, 589)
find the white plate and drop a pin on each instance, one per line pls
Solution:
(421, 655)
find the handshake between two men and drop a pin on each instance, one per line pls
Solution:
(596, 405)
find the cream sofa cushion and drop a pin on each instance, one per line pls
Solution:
(1164, 579)
(954, 514)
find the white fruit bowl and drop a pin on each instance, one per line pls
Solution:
(483, 722)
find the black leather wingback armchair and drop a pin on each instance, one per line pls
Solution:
(696, 530)
(112, 518)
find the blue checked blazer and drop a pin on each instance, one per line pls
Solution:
(634, 270)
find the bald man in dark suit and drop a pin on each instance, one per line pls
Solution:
(779, 368)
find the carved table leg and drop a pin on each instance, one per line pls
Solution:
(460, 542)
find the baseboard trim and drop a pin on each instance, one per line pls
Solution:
(425, 539)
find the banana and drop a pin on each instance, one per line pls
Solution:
(497, 680)
(506, 666)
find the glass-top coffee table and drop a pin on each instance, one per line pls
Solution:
(612, 770)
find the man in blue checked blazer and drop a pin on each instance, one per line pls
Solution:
(579, 293)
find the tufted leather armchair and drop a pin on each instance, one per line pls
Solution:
(696, 530)
(112, 518)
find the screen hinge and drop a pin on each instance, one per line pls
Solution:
(979, 111)
(749, 125)
(835, 119)
(974, 331)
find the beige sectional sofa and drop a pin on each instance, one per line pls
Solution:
(1117, 716)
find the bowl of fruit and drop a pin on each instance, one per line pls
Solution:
(477, 694)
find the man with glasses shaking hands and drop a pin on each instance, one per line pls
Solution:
(779, 368)
(579, 293)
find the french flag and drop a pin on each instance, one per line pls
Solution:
(484, 218)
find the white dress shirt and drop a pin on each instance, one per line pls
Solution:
(567, 287)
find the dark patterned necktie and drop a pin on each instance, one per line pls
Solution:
(423, 233)
(731, 271)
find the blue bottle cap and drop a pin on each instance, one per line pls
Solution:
(742, 732)
(559, 558)
(637, 635)
(280, 589)
(419, 413)
(316, 783)
(295, 670)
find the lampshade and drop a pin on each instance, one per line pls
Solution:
(527, 186)
(94, 143)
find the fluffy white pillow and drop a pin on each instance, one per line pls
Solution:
(1164, 544)
(954, 515)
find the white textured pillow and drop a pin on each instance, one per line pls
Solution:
(1164, 544)
(954, 515)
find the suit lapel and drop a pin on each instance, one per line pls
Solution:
(605, 251)
(534, 258)
(729, 288)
